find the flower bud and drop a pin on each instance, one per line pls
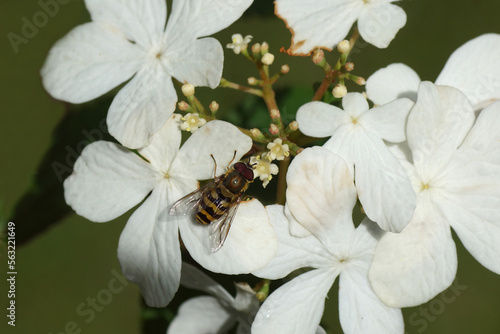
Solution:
(273, 129)
(264, 48)
(294, 125)
(275, 113)
(349, 66)
(339, 91)
(268, 59)
(285, 69)
(256, 50)
(344, 46)
(256, 133)
(361, 81)
(252, 81)
(318, 56)
(188, 90)
(214, 106)
(183, 105)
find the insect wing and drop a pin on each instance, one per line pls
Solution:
(189, 203)
(219, 228)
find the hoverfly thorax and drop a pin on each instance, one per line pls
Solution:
(237, 180)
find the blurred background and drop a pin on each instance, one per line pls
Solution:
(67, 266)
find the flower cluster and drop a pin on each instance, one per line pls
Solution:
(419, 156)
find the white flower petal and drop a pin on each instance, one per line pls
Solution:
(437, 125)
(201, 315)
(320, 330)
(140, 21)
(89, 61)
(219, 138)
(321, 194)
(296, 228)
(149, 249)
(482, 144)
(318, 119)
(164, 145)
(389, 120)
(293, 252)
(198, 62)
(140, 109)
(379, 23)
(401, 151)
(297, 306)
(361, 311)
(392, 82)
(383, 187)
(198, 18)
(245, 301)
(474, 68)
(317, 23)
(193, 278)
(107, 181)
(474, 214)
(365, 239)
(412, 267)
(250, 244)
(355, 105)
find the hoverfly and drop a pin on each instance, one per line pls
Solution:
(215, 204)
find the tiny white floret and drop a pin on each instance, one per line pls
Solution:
(239, 43)
(277, 150)
(192, 122)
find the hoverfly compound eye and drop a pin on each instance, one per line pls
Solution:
(244, 169)
(248, 174)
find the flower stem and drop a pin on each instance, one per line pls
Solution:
(268, 94)
(228, 84)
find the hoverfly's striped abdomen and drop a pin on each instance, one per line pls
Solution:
(214, 204)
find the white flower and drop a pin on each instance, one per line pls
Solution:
(217, 313)
(473, 68)
(321, 196)
(192, 122)
(357, 135)
(324, 23)
(129, 40)
(263, 169)
(277, 150)
(108, 180)
(456, 174)
(239, 43)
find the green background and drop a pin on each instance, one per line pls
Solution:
(75, 259)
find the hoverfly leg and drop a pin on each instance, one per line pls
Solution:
(229, 164)
(215, 163)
